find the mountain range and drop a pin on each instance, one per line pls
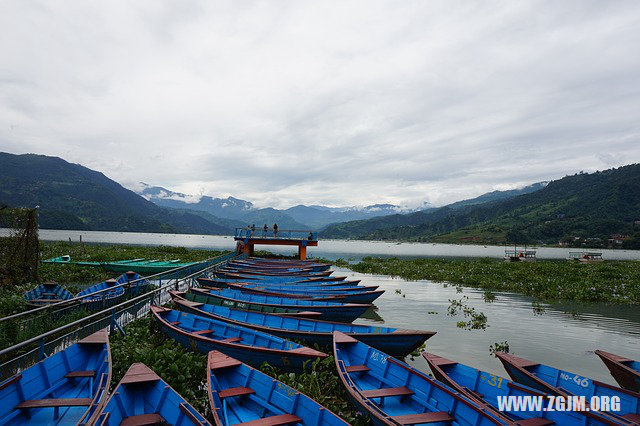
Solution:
(584, 206)
(244, 212)
(71, 196)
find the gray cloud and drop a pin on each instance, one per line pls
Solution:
(338, 103)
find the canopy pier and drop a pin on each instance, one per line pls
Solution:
(247, 238)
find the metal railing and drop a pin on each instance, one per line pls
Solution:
(36, 348)
(288, 234)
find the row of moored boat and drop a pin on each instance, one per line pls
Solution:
(257, 310)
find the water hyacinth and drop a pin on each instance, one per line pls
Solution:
(545, 280)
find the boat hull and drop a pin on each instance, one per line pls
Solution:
(333, 312)
(296, 358)
(229, 382)
(398, 342)
(66, 388)
(624, 370)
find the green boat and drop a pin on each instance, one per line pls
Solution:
(141, 266)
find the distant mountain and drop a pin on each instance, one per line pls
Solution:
(584, 205)
(297, 217)
(71, 196)
(241, 212)
(499, 195)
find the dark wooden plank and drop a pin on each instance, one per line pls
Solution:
(98, 338)
(356, 368)
(74, 374)
(199, 332)
(282, 419)
(378, 393)
(435, 417)
(231, 340)
(55, 402)
(218, 360)
(241, 390)
(139, 373)
(10, 381)
(144, 419)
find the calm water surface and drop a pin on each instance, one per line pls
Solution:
(564, 336)
(330, 249)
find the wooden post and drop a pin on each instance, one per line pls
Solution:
(302, 252)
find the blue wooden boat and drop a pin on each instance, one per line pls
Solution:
(328, 310)
(485, 388)
(143, 398)
(276, 279)
(559, 382)
(365, 296)
(268, 264)
(47, 293)
(254, 347)
(139, 284)
(115, 293)
(224, 283)
(66, 388)
(239, 394)
(203, 296)
(394, 341)
(304, 288)
(392, 393)
(625, 370)
(283, 274)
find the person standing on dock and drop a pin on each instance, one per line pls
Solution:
(275, 230)
(248, 231)
(264, 231)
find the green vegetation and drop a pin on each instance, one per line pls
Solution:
(185, 371)
(182, 369)
(591, 207)
(609, 281)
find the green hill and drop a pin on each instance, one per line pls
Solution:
(584, 205)
(71, 196)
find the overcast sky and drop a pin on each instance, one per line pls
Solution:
(336, 103)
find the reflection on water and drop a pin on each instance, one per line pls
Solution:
(564, 336)
(330, 249)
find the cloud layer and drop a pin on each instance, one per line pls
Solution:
(335, 102)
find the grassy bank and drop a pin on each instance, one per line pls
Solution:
(76, 277)
(185, 371)
(546, 280)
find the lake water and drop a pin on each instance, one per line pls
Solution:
(564, 336)
(330, 249)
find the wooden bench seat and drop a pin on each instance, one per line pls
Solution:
(55, 402)
(74, 374)
(231, 340)
(226, 393)
(381, 393)
(356, 368)
(435, 417)
(283, 419)
(143, 419)
(199, 332)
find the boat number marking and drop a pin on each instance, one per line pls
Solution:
(377, 356)
(287, 389)
(493, 381)
(580, 381)
(377, 330)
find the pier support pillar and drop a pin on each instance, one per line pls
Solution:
(302, 252)
(248, 249)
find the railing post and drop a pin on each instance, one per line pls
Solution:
(41, 354)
